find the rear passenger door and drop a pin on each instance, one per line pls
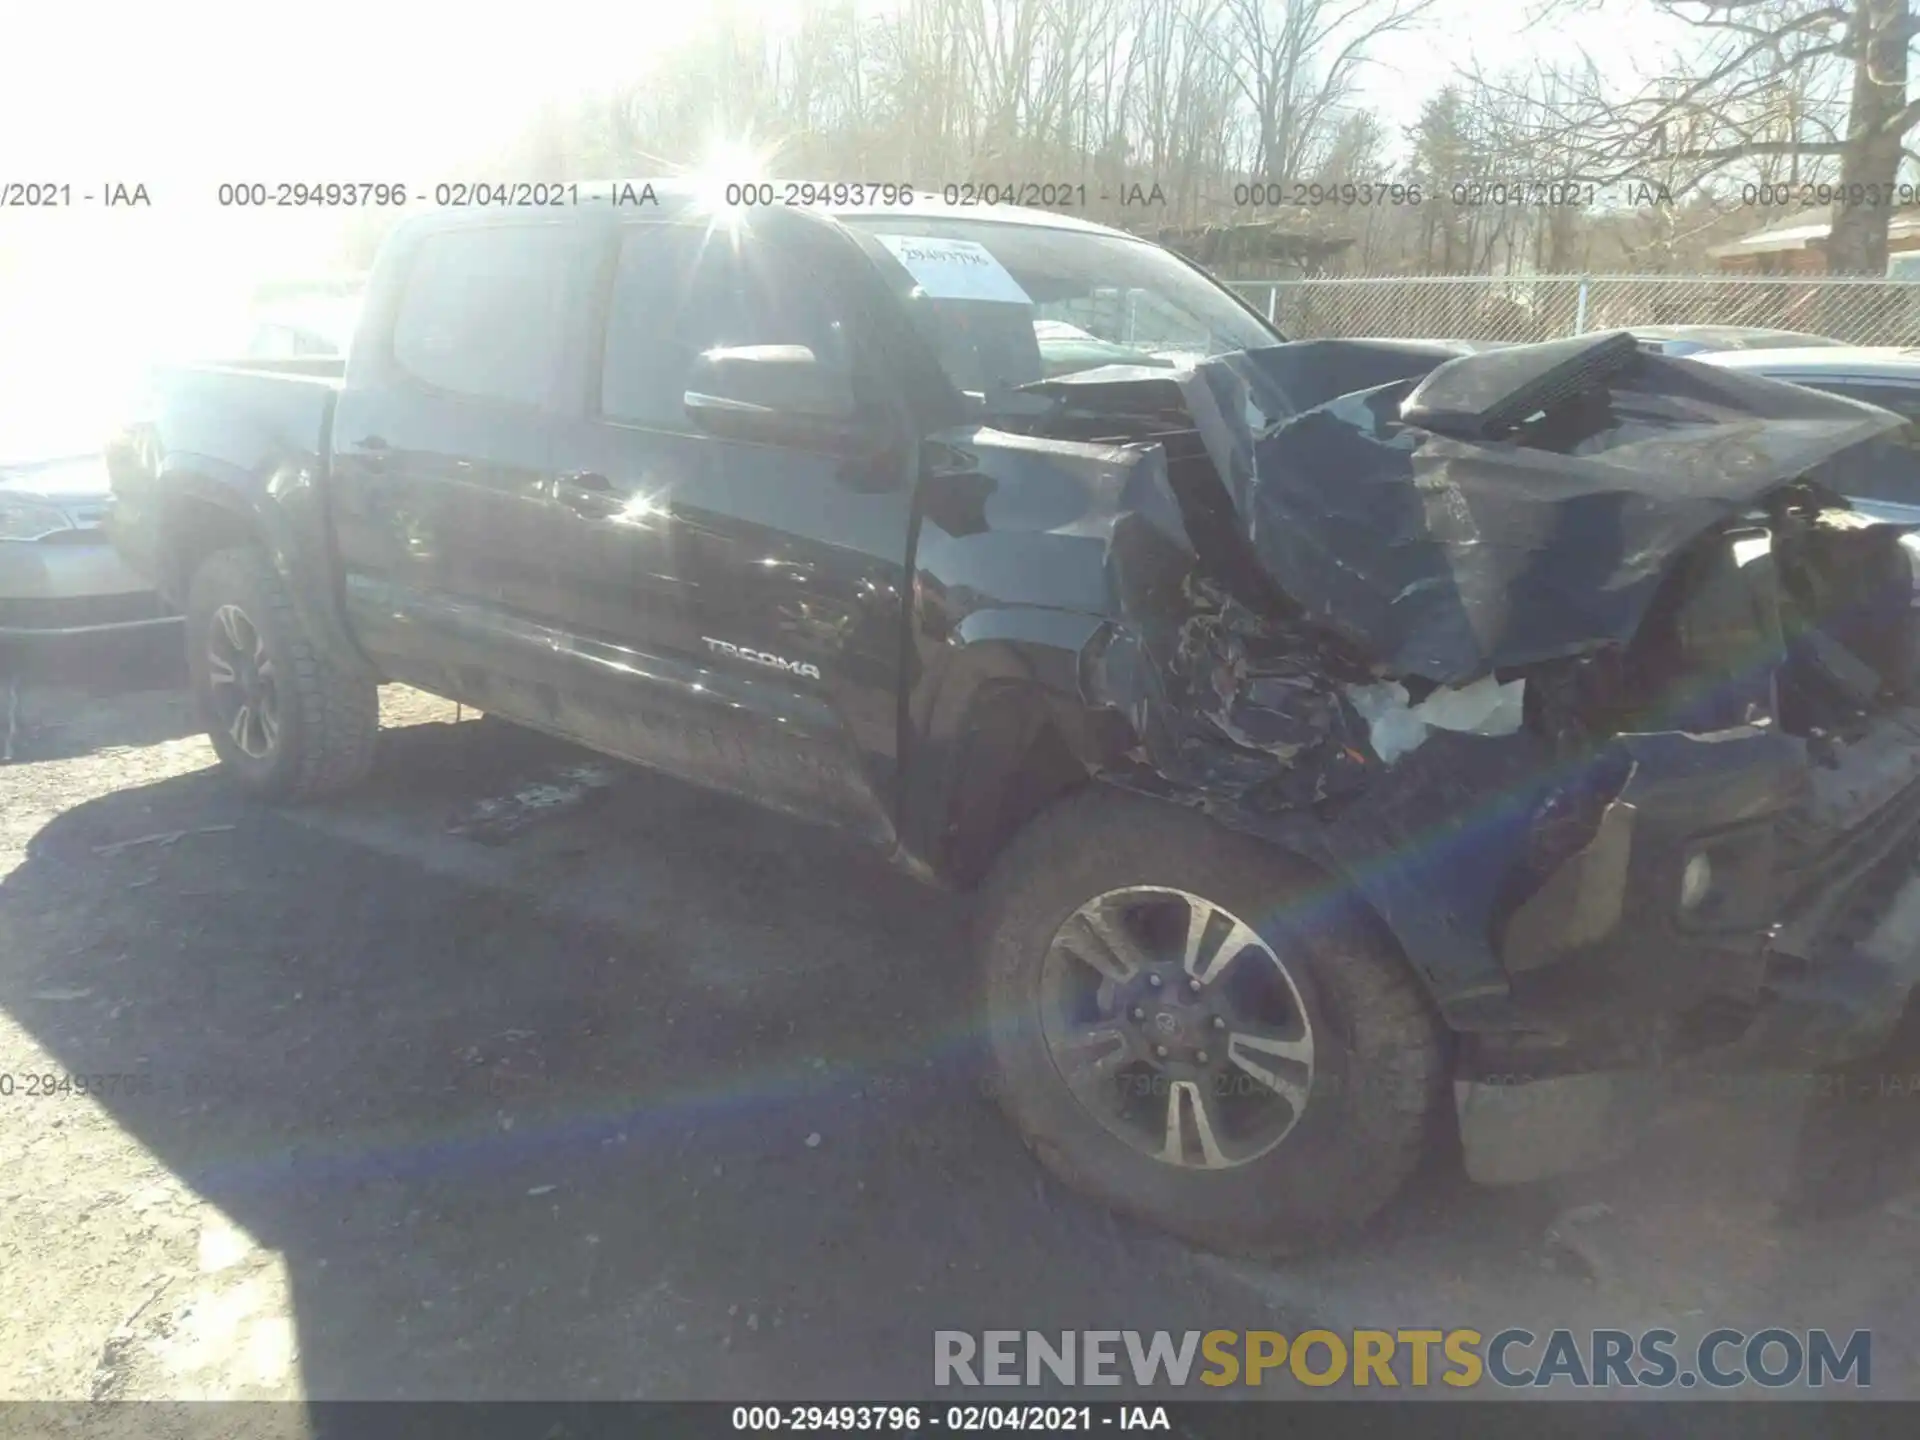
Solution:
(442, 463)
(739, 605)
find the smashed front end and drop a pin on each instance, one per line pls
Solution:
(1562, 659)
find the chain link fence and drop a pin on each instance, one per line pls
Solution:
(1546, 307)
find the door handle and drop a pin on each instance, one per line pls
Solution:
(586, 492)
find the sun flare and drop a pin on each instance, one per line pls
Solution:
(726, 166)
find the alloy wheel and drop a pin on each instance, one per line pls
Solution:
(244, 687)
(1177, 1027)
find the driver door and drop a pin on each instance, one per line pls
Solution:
(736, 606)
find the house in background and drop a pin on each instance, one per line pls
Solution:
(1800, 248)
(1254, 250)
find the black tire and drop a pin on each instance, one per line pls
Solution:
(326, 718)
(1379, 1089)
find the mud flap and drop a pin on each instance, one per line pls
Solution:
(1536, 1128)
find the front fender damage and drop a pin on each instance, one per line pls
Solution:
(1373, 642)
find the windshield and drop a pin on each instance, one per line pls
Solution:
(1006, 305)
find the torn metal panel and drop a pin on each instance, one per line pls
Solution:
(1445, 558)
(1221, 700)
(1436, 688)
(1231, 709)
(1490, 535)
(1397, 553)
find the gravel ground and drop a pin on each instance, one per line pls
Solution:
(525, 1075)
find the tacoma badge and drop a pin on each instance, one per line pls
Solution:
(762, 657)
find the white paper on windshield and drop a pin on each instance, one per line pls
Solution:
(955, 269)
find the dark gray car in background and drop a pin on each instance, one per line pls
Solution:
(59, 576)
(1882, 479)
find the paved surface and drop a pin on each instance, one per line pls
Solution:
(520, 1075)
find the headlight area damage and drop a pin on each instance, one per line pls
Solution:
(1563, 661)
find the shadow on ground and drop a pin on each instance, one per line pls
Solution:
(682, 1103)
(87, 693)
(733, 1147)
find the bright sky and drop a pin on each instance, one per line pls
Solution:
(185, 96)
(1496, 36)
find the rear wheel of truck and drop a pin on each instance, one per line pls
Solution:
(286, 723)
(1191, 1027)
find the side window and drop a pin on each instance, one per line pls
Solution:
(680, 290)
(482, 311)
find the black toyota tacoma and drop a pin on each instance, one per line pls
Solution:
(1350, 739)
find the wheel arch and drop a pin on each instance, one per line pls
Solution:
(206, 510)
(1002, 731)
(998, 729)
(1387, 1051)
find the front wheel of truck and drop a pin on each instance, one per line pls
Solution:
(286, 723)
(1193, 1028)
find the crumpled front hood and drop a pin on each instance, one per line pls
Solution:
(1445, 557)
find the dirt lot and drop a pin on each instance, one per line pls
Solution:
(523, 1076)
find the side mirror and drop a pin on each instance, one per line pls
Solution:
(773, 394)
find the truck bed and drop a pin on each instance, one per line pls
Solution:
(248, 414)
(257, 430)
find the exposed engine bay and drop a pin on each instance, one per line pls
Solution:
(1562, 656)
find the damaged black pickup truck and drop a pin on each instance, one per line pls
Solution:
(1349, 738)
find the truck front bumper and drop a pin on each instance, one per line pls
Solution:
(1794, 945)
(1669, 900)
(1518, 1126)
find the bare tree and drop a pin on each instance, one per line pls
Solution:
(1820, 85)
(1186, 98)
(1296, 60)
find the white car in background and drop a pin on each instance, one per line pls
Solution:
(1884, 480)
